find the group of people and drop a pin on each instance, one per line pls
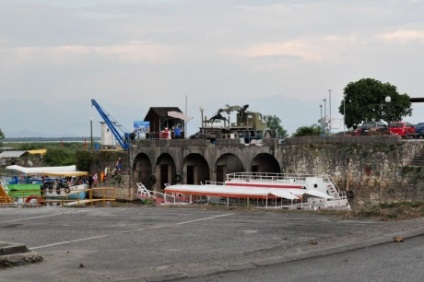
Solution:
(166, 134)
(95, 178)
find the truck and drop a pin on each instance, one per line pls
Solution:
(249, 126)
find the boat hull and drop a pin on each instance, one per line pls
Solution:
(77, 192)
(23, 190)
(284, 190)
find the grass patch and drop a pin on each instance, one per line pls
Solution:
(392, 211)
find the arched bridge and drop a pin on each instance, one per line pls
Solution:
(156, 162)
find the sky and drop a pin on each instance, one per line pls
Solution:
(282, 58)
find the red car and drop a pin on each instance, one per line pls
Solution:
(402, 128)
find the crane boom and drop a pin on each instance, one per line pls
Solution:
(122, 139)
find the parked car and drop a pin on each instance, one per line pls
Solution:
(370, 126)
(402, 128)
(419, 130)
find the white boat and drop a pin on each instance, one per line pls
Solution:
(278, 190)
(61, 189)
(52, 183)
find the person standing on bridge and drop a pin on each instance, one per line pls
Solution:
(166, 134)
(90, 180)
(177, 132)
(95, 179)
(118, 166)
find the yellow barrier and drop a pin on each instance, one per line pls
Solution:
(4, 198)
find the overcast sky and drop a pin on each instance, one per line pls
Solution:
(280, 57)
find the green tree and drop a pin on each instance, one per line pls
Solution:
(313, 130)
(83, 160)
(58, 157)
(365, 100)
(1, 136)
(274, 123)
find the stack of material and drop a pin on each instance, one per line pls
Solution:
(4, 198)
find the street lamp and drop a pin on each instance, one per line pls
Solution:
(201, 112)
(325, 115)
(388, 99)
(320, 106)
(344, 116)
(91, 133)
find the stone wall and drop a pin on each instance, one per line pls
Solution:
(377, 172)
(125, 189)
(377, 169)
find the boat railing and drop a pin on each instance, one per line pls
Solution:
(342, 195)
(212, 182)
(272, 177)
(330, 179)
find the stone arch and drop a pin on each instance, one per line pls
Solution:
(142, 170)
(195, 169)
(164, 170)
(265, 162)
(227, 163)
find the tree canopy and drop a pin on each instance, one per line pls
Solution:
(365, 100)
(274, 123)
(313, 130)
(1, 136)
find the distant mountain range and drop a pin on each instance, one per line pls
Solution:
(38, 118)
(49, 139)
(25, 133)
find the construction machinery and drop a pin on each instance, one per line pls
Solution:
(248, 126)
(124, 137)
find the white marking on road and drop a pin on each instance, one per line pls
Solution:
(206, 218)
(250, 231)
(71, 241)
(123, 232)
(41, 216)
(178, 223)
(199, 219)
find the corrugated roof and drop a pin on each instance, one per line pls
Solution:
(39, 151)
(179, 115)
(163, 111)
(12, 154)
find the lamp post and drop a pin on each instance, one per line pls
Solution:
(201, 113)
(388, 99)
(344, 116)
(91, 133)
(320, 106)
(325, 115)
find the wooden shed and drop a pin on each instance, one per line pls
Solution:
(165, 117)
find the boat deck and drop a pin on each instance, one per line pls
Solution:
(271, 177)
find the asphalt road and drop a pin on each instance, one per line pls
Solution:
(139, 243)
(381, 263)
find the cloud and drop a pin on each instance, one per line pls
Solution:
(300, 49)
(403, 36)
(306, 50)
(135, 51)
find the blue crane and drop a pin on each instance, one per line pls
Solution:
(123, 139)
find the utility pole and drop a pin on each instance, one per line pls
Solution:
(91, 133)
(322, 127)
(185, 123)
(329, 106)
